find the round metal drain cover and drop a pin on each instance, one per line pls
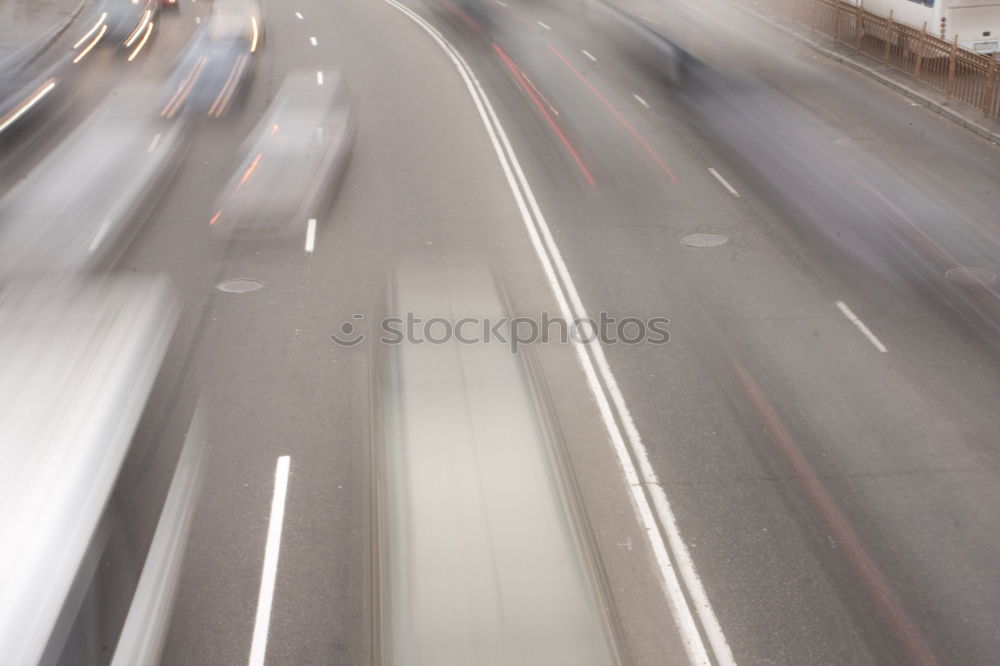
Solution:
(239, 285)
(966, 275)
(704, 240)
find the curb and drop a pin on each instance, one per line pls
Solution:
(41, 44)
(913, 94)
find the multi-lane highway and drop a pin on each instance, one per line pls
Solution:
(806, 472)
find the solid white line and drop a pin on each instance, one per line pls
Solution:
(537, 230)
(153, 143)
(725, 183)
(641, 100)
(99, 236)
(319, 78)
(544, 26)
(299, 15)
(312, 40)
(587, 53)
(311, 235)
(861, 326)
(258, 647)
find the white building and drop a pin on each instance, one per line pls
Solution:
(976, 22)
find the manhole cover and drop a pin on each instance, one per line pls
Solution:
(704, 240)
(239, 285)
(965, 275)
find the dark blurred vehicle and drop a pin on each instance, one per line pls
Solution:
(77, 208)
(650, 47)
(215, 67)
(128, 20)
(294, 159)
(84, 582)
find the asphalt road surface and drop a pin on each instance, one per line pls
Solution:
(806, 473)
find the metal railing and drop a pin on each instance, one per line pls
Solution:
(972, 78)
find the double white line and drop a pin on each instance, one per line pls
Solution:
(696, 621)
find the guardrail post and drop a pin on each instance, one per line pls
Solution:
(991, 80)
(920, 52)
(888, 37)
(952, 65)
(815, 15)
(859, 22)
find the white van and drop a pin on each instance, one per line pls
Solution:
(80, 582)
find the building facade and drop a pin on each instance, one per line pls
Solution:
(976, 22)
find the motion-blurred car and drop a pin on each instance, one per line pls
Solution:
(241, 15)
(80, 361)
(19, 96)
(650, 47)
(128, 20)
(26, 85)
(76, 209)
(294, 159)
(216, 65)
(170, 4)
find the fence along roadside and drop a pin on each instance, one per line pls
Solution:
(972, 78)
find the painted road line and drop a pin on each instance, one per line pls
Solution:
(861, 326)
(258, 647)
(587, 53)
(724, 182)
(641, 100)
(311, 235)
